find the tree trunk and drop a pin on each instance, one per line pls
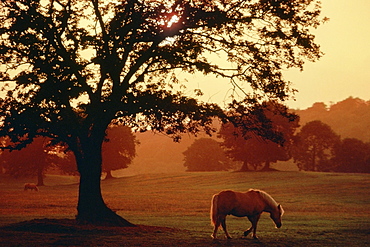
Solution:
(266, 166)
(40, 176)
(91, 208)
(313, 168)
(245, 167)
(109, 175)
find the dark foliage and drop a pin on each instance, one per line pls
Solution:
(32, 161)
(260, 136)
(352, 155)
(206, 154)
(314, 147)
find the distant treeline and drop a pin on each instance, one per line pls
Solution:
(349, 118)
(325, 139)
(345, 147)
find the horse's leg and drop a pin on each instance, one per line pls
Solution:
(253, 219)
(248, 231)
(254, 225)
(223, 224)
(250, 228)
(217, 225)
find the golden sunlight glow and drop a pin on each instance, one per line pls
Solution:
(174, 19)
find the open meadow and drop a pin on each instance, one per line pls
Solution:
(321, 209)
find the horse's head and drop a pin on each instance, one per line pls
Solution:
(276, 215)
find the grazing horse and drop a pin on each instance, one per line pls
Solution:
(251, 204)
(30, 187)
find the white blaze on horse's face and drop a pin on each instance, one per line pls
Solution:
(276, 215)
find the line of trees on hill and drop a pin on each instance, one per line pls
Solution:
(318, 148)
(350, 118)
(315, 147)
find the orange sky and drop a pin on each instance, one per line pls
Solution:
(343, 71)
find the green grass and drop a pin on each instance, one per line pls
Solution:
(321, 209)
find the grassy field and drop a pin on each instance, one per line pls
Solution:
(321, 209)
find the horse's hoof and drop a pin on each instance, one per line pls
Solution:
(212, 236)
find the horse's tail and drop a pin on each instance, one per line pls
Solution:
(214, 209)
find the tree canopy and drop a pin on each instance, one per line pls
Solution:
(73, 67)
(243, 144)
(119, 149)
(352, 155)
(315, 145)
(206, 154)
(32, 161)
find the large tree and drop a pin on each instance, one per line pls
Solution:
(206, 154)
(119, 149)
(76, 66)
(32, 161)
(352, 155)
(244, 143)
(314, 147)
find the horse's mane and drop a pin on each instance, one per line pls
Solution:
(266, 197)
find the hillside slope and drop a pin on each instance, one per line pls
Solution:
(349, 118)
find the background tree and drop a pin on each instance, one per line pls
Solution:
(352, 155)
(77, 66)
(32, 161)
(254, 150)
(314, 147)
(206, 154)
(119, 149)
(66, 162)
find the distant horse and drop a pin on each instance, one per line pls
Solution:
(30, 187)
(251, 204)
